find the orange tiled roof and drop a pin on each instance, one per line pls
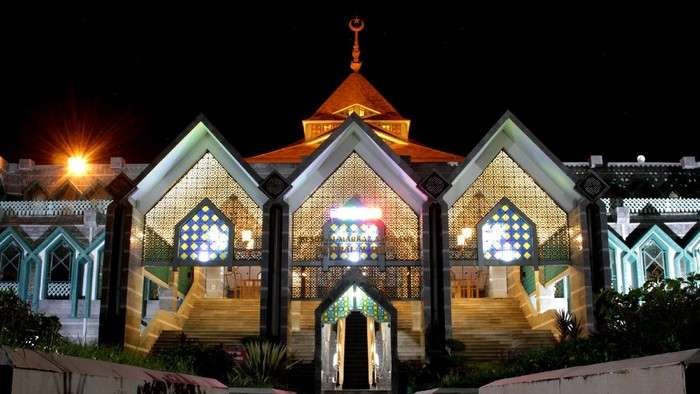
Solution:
(355, 89)
(296, 152)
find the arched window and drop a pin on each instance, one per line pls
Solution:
(60, 260)
(354, 235)
(506, 235)
(10, 259)
(653, 259)
(204, 237)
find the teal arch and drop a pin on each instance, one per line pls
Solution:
(81, 258)
(665, 242)
(6, 236)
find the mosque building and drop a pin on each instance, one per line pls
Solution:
(357, 245)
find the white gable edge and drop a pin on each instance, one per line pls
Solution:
(353, 138)
(528, 155)
(181, 158)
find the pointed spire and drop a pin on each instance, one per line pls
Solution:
(356, 25)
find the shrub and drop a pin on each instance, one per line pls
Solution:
(658, 317)
(568, 325)
(115, 355)
(265, 364)
(21, 327)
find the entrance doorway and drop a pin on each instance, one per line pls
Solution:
(232, 282)
(355, 363)
(356, 338)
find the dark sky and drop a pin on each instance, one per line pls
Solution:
(129, 79)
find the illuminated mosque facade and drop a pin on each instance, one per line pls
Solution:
(357, 246)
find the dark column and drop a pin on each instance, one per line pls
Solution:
(115, 270)
(600, 258)
(436, 333)
(270, 298)
(115, 263)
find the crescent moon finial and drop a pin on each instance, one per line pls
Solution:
(356, 25)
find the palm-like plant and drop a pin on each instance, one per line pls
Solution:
(568, 325)
(264, 365)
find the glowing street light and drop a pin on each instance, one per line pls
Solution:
(77, 166)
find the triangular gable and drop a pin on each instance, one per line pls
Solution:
(55, 236)
(656, 233)
(67, 191)
(354, 135)
(355, 89)
(97, 192)
(693, 238)
(509, 135)
(616, 240)
(10, 233)
(35, 192)
(197, 139)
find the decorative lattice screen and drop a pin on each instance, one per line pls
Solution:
(354, 178)
(504, 178)
(394, 282)
(207, 178)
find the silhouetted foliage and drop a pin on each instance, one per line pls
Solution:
(661, 316)
(22, 327)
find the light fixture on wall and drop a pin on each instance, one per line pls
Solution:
(247, 237)
(578, 239)
(464, 235)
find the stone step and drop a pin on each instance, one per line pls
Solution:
(216, 320)
(491, 327)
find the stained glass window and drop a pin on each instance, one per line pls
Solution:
(204, 236)
(354, 233)
(506, 235)
(354, 299)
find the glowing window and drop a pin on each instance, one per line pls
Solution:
(506, 235)
(204, 236)
(354, 234)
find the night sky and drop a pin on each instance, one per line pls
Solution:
(128, 80)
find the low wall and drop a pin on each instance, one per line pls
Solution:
(26, 371)
(668, 373)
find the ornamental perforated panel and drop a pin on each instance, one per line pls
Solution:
(394, 282)
(504, 178)
(207, 178)
(354, 178)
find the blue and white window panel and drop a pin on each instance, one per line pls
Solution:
(506, 235)
(204, 237)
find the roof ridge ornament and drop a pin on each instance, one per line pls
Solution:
(356, 25)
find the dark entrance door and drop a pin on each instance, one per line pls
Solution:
(355, 364)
